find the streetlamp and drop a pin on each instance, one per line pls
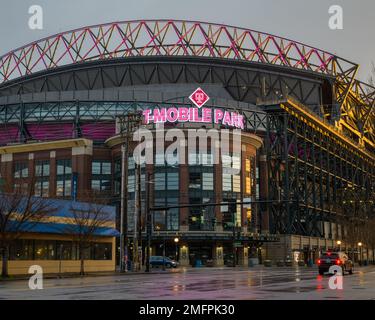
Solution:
(158, 228)
(176, 240)
(149, 221)
(339, 244)
(360, 253)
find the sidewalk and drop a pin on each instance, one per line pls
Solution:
(171, 271)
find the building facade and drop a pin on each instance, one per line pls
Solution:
(306, 127)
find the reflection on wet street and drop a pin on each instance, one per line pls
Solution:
(203, 283)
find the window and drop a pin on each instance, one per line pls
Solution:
(205, 159)
(227, 182)
(231, 169)
(226, 160)
(56, 250)
(101, 175)
(248, 185)
(247, 165)
(42, 168)
(201, 218)
(44, 250)
(21, 170)
(159, 159)
(169, 219)
(201, 187)
(21, 250)
(101, 251)
(160, 217)
(236, 161)
(160, 181)
(173, 181)
(195, 181)
(236, 183)
(231, 214)
(131, 183)
(166, 181)
(193, 159)
(208, 181)
(248, 217)
(64, 178)
(42, 172)
(96, 167)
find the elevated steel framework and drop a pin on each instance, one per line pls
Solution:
(354, 112)
(311, 167)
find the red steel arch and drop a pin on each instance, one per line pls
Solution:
(166, 38)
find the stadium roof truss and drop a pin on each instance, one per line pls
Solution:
(157, 38)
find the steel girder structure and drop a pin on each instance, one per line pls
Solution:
(242, 82)
(310, 168)
(351, 104)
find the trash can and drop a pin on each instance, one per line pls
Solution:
(310, 263)
(198, 263)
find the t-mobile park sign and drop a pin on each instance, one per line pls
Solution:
(185, 114)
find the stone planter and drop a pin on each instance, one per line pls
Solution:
(209, 263)
(267, 263)
(288, 263)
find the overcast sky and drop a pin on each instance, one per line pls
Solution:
(302, 20)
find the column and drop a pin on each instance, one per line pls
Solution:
(263, 192)
(7, 171)
(243, 260)
(184, 187)
(218, 181)
(81, 164)
(184, 255)
(218, 255)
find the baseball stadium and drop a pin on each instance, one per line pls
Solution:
(70, 102)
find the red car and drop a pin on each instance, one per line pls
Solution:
(340, 259)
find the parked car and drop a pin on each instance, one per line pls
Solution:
(157, 261)
(339, 258)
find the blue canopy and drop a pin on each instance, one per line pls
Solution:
(64, 210)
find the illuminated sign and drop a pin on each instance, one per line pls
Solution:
(184, 114)
(199, 97)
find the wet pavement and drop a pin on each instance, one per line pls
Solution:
(204, 283)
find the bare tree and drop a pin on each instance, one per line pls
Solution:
(85, 221)
(20, 211)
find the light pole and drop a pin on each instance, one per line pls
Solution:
(360, 253)
(128, 124)
(60, 256)
(176, 240)
(339, 244)
(148, 220)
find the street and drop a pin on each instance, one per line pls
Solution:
(202, 283)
